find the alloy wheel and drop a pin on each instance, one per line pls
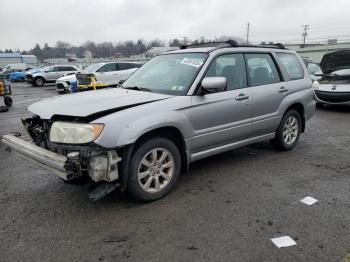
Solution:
(156, 170)
(290, 130)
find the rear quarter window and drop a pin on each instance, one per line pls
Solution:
(292, 65)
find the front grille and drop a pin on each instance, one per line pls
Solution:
(333, 97)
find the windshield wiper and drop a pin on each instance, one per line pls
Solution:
(138, 88)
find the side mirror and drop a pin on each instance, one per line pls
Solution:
(214, 84)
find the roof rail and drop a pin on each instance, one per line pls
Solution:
(230, 42)
(233, 43)
(276, 45)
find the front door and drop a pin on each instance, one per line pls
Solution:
(222, 118)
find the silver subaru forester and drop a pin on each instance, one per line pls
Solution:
(179, 107)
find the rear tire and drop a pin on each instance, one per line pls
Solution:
(38, 81)
(288, 132)
(154, 169)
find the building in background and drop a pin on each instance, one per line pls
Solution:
(16, 58)
(316, 51)
(29, 59)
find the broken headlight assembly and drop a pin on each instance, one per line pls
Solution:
(74, 133)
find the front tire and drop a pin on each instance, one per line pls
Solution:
(38, 81)
(288, 132)
(154, 169)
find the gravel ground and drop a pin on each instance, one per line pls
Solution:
(226, 209)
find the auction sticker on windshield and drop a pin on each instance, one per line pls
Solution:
(192, 62)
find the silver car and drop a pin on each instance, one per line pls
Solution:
(49, 74)
(179, 107)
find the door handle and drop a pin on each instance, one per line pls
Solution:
(283, 89)
(241, 97)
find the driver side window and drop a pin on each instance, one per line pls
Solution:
(230, 66)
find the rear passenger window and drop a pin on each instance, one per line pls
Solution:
(108, 68)
(261, 69)
(67, 68)
(124, 66)
(292, 65)
(230, 66)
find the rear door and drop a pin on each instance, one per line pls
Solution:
(268, 91)
(223, 117)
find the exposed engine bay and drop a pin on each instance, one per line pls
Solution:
(89, 159)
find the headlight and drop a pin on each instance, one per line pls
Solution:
(316, 84)
(74, 133)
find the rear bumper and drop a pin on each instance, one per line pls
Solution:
(48, 160)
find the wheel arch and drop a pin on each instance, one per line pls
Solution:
(170, 132)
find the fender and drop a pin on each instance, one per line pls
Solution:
(129, 133)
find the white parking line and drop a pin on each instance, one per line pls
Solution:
(285, 241)
(309, 200)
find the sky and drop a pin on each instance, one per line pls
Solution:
(23, 23)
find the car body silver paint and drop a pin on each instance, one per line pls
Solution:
(209, 124)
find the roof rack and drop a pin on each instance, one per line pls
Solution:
(232, 43)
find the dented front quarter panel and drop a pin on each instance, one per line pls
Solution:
(125, 127)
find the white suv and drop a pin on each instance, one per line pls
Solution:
(107, 73)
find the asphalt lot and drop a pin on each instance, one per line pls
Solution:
(226, 209)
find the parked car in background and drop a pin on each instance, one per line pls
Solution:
(18, 66)
(49, 74)
(179, 107)
(333, 87)
(106, 74)
(19, 76)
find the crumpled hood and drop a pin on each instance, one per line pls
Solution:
(335, 61)
(89, 103)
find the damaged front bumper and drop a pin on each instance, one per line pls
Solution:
(100, 167)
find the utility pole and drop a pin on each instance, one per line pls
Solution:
(248, 28)
(306, 27)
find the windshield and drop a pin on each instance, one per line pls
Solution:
(92, 68)
(168, 74)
